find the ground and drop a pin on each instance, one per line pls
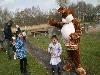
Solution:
(90, 56)
(11, 67)
(90, 46)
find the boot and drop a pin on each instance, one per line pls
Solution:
(81, 71)
(53, 72)
(67, 67)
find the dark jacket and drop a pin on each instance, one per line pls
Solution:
(8, 32)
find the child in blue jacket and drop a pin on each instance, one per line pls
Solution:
(21, 52)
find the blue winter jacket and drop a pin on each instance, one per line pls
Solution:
(20, 49)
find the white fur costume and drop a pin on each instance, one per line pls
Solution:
(68, 27)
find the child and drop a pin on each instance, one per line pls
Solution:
(21, 52)
(55, 50)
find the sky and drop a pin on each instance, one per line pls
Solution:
(44, 5)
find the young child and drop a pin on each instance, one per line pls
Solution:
(55, 50)
(21, 52)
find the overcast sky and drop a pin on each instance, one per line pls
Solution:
(43, 4)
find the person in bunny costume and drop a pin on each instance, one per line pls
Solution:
(71, 32)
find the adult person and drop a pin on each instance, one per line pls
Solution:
(71, 32)
(8, 38)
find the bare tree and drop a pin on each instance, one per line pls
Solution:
(5, 16)
(63, 3)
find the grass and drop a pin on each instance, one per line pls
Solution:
(32, 27)
(90, 53)
(11, 67)
(90, 50)
(41, 41)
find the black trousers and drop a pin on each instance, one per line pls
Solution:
(8, 48)
(23, 64)
(56, 70)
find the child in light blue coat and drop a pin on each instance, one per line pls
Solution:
(55, 50)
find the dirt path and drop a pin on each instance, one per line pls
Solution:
(43, 57)
(39, 54)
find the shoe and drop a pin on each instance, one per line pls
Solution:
(53, 72)
(81, 71)
(22, 71)
(26, 72)
(67, 67)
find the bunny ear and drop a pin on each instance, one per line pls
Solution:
(60, 9)
(71, 11)
(66, 11)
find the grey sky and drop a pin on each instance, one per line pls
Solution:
(43, 4)
(94, 2)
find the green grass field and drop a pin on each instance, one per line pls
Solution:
(90, 56)
(90, 50)
(11, 67)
